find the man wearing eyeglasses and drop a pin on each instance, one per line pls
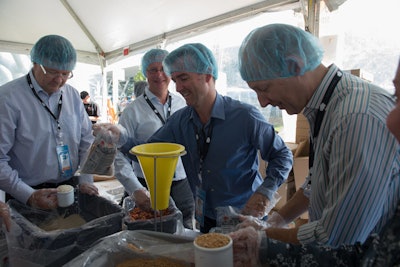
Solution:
(141, 118)
(45, 131)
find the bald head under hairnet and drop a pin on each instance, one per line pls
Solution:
(278, 51)
(152, 56)
(54, 51)
(194, 57)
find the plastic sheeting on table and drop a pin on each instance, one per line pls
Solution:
(125, 245)
(30, 245)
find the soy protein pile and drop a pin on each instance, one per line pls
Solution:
(60, 223)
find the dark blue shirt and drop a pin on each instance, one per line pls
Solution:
(230, 169)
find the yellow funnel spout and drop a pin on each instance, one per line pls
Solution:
(158, 162)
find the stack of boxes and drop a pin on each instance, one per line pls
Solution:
(300, 150)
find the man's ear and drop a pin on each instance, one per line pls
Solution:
(208, 77)
(294, 66)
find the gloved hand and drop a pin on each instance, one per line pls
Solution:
(90, 189)
(44, 199)
(254, 222)
(246, 244)
(276, 220)
(142, 199)
(259, 205)
(102, 127)
(116, 132)
(5, 215)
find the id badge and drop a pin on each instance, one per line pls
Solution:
(64, 161)
(200, 207)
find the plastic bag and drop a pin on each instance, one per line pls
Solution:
(30, 245)
(140, 244)
(171, 223)
(100, 160)
(227, 219)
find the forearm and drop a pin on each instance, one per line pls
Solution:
(125, 175)
(283, 234)
(280, 163)
(295, 207)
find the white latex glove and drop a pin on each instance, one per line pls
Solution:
(276, 220)
(246, 245)
(254, 222)
(259, 205)
(5, 215)
(110, 131)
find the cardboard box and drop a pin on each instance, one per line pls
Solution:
(302, 128)
(362, 74)
(300, 151)
(300, 169)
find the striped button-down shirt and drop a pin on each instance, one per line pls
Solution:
(355, 177)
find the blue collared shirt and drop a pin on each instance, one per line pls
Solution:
(28, 136)
(230, 173)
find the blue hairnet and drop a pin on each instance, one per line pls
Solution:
(195, 58)
(278, 51)
(55, 52)
(151, 56)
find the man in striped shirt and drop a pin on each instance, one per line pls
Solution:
(352, 189)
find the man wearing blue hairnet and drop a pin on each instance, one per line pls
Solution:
(353, 183)
(222, 138)
(45, 130)
(141, 118)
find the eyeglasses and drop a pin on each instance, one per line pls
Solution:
(155, 71)
(53, 74)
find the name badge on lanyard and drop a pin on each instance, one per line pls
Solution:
(64, 161)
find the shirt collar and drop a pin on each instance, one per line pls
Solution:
(153, 98)
(149, 94)
(217, 112)
(316, 99)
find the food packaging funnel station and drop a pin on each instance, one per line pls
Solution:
(158, 162)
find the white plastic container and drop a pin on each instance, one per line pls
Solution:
(65, 195)
(215, 256)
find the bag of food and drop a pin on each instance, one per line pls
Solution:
(100, 160)
(169, 220)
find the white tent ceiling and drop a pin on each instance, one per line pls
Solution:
(101, 29)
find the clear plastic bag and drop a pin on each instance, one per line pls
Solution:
(100, 160)
(227, 219)
(168, 223)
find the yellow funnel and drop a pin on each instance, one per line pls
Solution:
(158, 162)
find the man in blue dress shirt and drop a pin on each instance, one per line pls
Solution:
(222, 138)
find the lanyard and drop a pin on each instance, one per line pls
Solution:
(44, 105)
(203, 142)
(321, 113)
(156, 111)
